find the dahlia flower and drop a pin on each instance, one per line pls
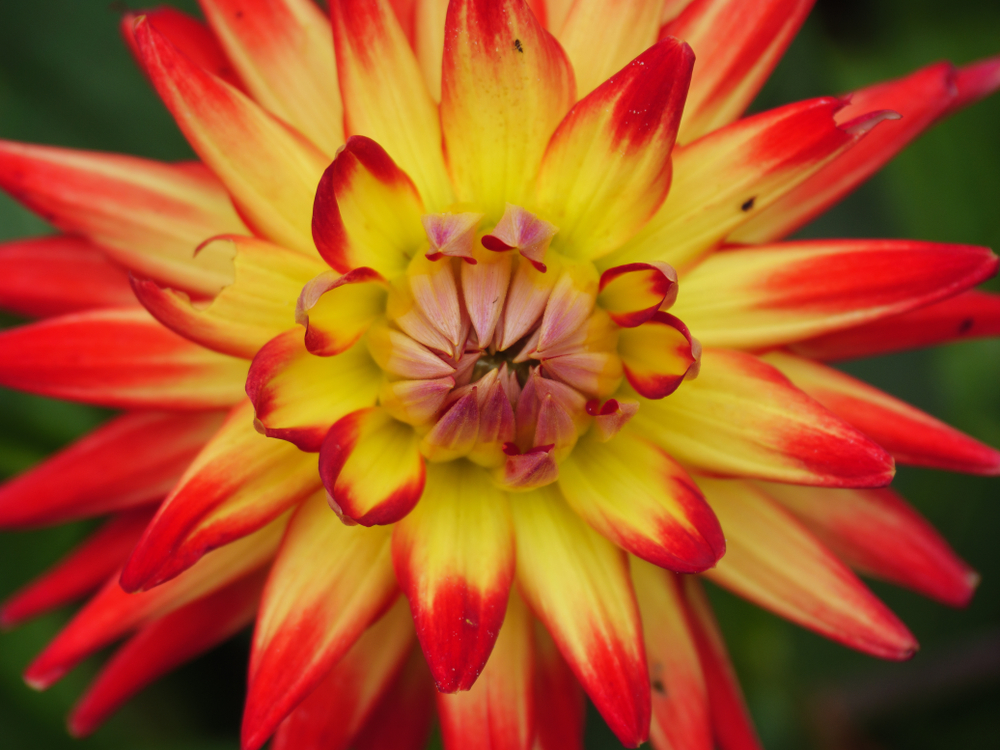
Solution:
(468, 345)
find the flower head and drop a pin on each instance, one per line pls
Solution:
(503, 284)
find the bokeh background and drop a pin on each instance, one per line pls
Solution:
(66, 78)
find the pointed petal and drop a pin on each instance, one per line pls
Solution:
(602, 36)
(402, 719)
(415, 402)
(164, 644)
(328, 584)
(270, 171)
(80, 572)
(283, 54)
(497, 713)
(879, 534)
(722, 179)
(112, 613)
(367, 211)
(338, 707)
(484, 288)
(384, 94)
(972, 314)
(659, 355)
(371, 467)
(751, 298)
(742, 417)
(49, 276)
(612, 151)
(681, 714)
(527, 297)
(337, 310)
(454, 558)
(247, 313)
(737, 45)
(578, 584)
(89, 478)
(976, 81)
(773, 561)
(399, 355)
(149, 216)
(506, 84)
(922, 98)
(633, 293)
(239, 482)
(292, 393)
(120, 359)
(560, 705)
(910, 435)
(638, 497)
(731, 723)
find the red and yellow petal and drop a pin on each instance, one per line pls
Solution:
(506, 84)
(328, 584)
(371, 467)
(147, 215)
(89, 478)
(632, 492)
(367, 211)
(337, 310)
(659, 355)
(631, 294)
(910, 435)
(751, 298)
(385, 97)
(454, 558)
(742, 417)
(239, 482)
(281, 50)
(560, 704)
(402, 719)
(772, 560)
(607, 168)
(292, 394)
(577, 583)
(248, 312)
(244, 145)
(118, 358)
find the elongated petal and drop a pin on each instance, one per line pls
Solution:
(773, 561)
(337, 310)
(969, 315)
(81, 571)
(731, 723)
(560, 705)
(497, 713)
(742, 417)
(367, 211)
(282, 52)
(633, 293)
(112, 613)
(164, 644)
(681, 714)
(371, 467)
(247, 313)
(506, 84)
(89, 477)
(428, 18)
(402, 719)
(328, 584)
(750, 298)
(293, 392)
(722, 179)
(578, 584)
(271, 171)
(607, 168)
(636, 495)
(239, 482)
(737, 45)
(149, 216)
(602, 36)
(922, 98)
(454, 558)
(910, 435)
(338, 707)
(659, 355)
(384, 94)
(118, 358)
(50, 276)
(879, 534)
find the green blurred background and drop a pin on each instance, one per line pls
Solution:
(65, 78)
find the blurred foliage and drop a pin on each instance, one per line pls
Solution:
(65, 78)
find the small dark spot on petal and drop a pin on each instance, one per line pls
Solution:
(965, 326)
(747, 205)
(659, 687)
(517, 46)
